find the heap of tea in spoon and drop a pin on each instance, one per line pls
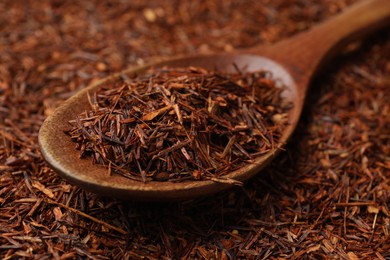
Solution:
(177, 124)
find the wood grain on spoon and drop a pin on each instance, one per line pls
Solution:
(294, 61)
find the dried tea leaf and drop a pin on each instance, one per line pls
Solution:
(43, 189)
(151, 115)
(372, 209)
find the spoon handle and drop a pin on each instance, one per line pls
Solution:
(305, 53)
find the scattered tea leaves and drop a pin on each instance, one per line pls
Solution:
(50, 49)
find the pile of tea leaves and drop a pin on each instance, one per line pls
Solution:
(182, 124)
(325, 197)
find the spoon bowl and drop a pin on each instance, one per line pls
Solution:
(293, 61)
(59, 150)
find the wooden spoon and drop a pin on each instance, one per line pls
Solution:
(294, 61)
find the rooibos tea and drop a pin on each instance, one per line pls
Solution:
(181, 124)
